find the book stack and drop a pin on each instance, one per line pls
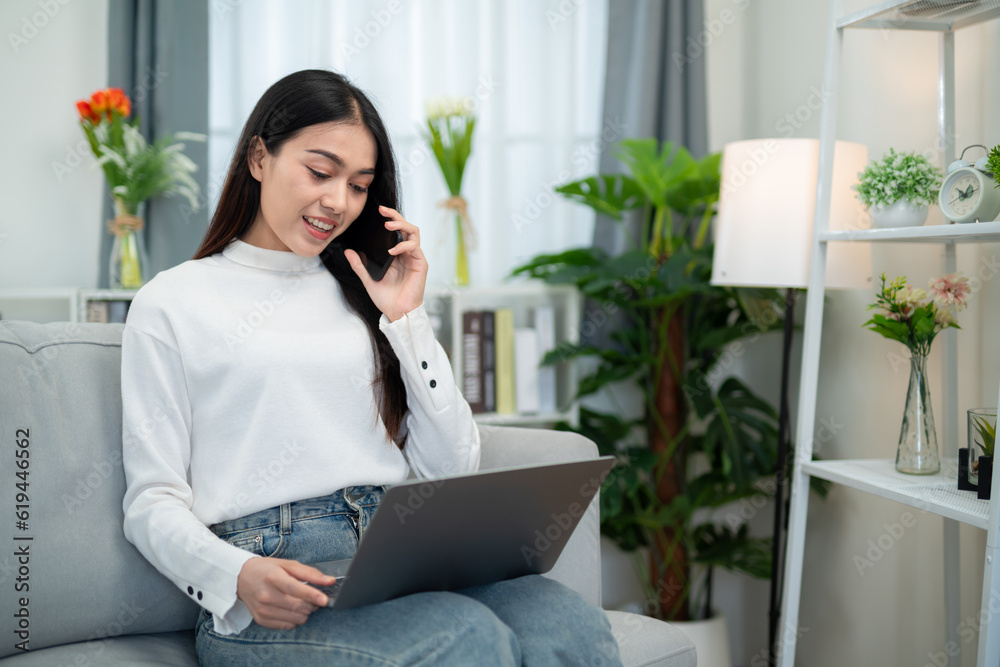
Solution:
(113, 310)
(500, 362)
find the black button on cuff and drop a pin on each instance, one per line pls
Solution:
(199, 595)
(433, 383)
(190, 590)
(423, 364)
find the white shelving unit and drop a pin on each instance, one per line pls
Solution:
(937, 494)
(75, 299)
(37, 295)
(446, 305)
(86, 296)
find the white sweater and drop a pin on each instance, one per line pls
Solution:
(247, 383)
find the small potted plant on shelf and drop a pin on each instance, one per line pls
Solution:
(993, 165)
(898, 189)
(982, 436)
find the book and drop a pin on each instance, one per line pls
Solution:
(526, 370)
(489, 362)
(97, 311)
(117, 310)
(472, 353)
(545, 328)
(504, 332)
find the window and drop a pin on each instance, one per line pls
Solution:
(535, 68)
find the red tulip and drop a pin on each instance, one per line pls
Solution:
(87, 112)
(118, 101)
(109, 101)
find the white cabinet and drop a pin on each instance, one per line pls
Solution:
(936, 494)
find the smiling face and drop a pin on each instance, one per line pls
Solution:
(313, 189)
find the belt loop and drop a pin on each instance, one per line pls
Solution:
(286, 518)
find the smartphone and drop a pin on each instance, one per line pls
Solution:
(373, 246)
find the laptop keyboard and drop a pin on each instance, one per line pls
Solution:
(333, 591)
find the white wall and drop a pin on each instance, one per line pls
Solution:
(762, 66)
(53, 53)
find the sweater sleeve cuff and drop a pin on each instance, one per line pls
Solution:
(229, 613)
(425, 368)
(233, 621)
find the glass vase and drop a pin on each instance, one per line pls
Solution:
(917, 453)
(461, 257)
(127, 262)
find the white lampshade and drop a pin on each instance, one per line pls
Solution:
(764, 227)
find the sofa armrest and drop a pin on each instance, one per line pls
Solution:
(579, 565)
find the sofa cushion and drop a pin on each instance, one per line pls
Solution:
(645, 641)
(67, 571)
(168, 649)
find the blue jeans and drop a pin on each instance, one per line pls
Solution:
(531, 620)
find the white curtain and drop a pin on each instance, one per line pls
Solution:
(536, 69)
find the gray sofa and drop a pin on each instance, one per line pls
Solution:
(75, 592)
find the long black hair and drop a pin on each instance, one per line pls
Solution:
(298, 101)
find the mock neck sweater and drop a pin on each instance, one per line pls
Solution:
(247, 382)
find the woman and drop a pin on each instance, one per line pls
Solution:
(272, 389)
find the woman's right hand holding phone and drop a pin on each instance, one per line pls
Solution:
(274, 592)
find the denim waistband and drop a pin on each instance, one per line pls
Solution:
(343, 501)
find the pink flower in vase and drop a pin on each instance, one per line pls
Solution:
(951, 290)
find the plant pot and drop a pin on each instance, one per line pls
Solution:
(985, 477)
(978, 418)
(898, 214)
(711, 639)
(965, 478)
(710, 636)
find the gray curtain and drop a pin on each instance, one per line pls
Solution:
(654, 87)
(158, 54)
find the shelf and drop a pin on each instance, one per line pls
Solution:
(932, 493)
(446, 305)
(38, 293)
(496, 419)
(932, 15)
(977, 232)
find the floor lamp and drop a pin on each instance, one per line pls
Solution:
(763, 236)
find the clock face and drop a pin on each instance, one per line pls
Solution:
(962, 196)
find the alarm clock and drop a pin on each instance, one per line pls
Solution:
(968, 193)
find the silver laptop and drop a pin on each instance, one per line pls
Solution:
(455, 532)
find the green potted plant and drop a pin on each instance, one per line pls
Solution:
(898, 189)
(982, 437)
(993, 165)
(702, 442)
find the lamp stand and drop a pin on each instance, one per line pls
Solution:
(780, 478)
